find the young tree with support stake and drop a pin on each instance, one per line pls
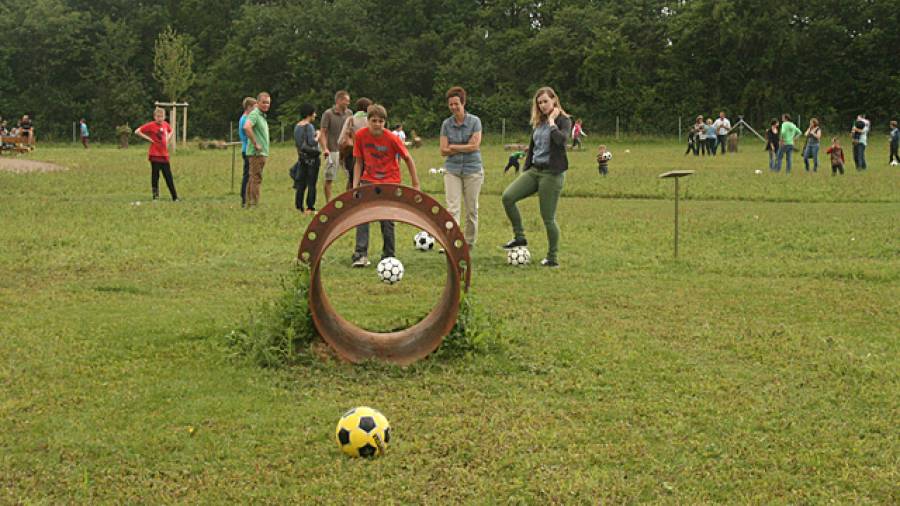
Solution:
(172, 62)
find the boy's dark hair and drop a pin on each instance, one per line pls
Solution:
(774, 121)
(363, 103)
(306, 109)
(893, 123)
(459, 92)
(860, 124)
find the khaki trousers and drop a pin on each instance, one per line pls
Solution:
(464, 188)
(255, 181)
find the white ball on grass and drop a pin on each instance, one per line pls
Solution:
(389, 270)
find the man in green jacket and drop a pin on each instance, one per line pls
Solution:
(786, 145)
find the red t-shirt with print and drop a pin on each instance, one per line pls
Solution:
(159, 132)
(379, 155)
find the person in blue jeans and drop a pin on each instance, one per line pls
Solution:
(249, 104)
(811, 148)
(789, 131)
(860, 134)
(711, 138)
(894, 157)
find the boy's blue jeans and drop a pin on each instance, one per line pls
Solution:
(859, 156)
(811, 151)
(786, 151)
(362, 238)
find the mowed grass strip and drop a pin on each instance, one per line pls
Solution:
(760, 367)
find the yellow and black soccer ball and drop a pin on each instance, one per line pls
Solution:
(363, 432)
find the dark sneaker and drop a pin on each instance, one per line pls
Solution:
(549, 263)
(515, 243)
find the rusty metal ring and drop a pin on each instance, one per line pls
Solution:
(391, 202)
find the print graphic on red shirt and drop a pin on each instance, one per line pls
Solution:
(159, 149)
(379, 155)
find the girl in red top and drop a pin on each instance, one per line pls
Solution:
(158, 133)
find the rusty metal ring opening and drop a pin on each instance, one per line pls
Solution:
(392, 202)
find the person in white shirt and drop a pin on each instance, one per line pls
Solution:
(398, 131)
(722, 126)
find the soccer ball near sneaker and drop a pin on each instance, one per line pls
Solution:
(518, 256)
(423, 242)
(363, 432)
(389, 270)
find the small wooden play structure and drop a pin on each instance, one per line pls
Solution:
(16, 145)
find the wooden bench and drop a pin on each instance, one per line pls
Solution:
(15, 144)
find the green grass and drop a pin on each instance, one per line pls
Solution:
(762, 367)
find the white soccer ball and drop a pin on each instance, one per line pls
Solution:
(389, 270)
(757, 171)
(432, 170)
(441, 170)
(423, 242)
(628, 151)
(518, 256)
(607, 156)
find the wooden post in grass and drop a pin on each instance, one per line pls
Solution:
(234, 144)
(676, 174)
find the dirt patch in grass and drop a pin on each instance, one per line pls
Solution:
(24, 166)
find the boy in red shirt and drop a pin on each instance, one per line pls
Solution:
(158, 133)
(377, 150)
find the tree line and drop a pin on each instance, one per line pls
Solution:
(645, 61)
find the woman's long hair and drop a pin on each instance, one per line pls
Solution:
(537, 117)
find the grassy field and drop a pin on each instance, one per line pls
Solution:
(762, 367)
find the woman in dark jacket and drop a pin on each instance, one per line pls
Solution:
(772, 139)
(305, 172)
(544, 174)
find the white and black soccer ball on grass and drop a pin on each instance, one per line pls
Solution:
(518, 256)
(423, 241)
(389, 270)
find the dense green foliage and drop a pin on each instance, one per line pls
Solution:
(647, 61)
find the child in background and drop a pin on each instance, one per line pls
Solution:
(837, 157)
(398, 131)
(710, 137)
(603, 158)
(577, 134)
(895, 143)
(514, 161)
